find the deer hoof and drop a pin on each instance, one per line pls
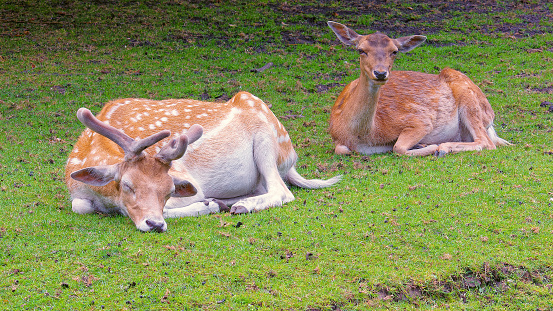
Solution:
(223, 208)
(238, 210)
(342, 150)
(440, 153)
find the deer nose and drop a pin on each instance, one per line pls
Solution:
(156, 226)
(380, 75)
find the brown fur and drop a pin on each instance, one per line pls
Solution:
(446, 112)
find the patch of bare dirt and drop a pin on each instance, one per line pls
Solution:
(498, 279)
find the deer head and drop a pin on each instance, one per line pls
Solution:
(143, 182)
(377, 51)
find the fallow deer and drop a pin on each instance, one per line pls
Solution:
(240, 156)
(407, 112)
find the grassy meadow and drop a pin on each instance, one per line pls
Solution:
(471, 231)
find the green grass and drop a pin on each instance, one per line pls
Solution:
(467, 231)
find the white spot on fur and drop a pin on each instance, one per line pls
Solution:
(141, 128)
(164, 119)
(112, 110)
(174, 112)
(158, 123)
(275, 132)
(217, 130)
(152, 126)
(262, 116)
(134, 120)
(283, 138)
(75, 161)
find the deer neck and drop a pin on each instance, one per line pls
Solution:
(365, 99)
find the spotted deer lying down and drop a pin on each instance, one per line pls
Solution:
(240, 156)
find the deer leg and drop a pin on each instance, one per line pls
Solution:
(471, 119)
(277, 195)
(277, 192)
(409, 138)
(195, 209)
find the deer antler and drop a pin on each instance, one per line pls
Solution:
(176, 147)
(131, 147)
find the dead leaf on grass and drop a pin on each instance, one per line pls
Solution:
(226, 235)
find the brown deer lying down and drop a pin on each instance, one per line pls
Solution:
(408, 112)
(242, 159)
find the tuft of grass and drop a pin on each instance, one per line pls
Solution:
(467, 231)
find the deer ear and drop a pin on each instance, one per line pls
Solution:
(183, 188)
(344, 34)
(406, 44)
(96, 175)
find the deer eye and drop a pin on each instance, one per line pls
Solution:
(127, 187)
(394, 53)
(361, 52)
